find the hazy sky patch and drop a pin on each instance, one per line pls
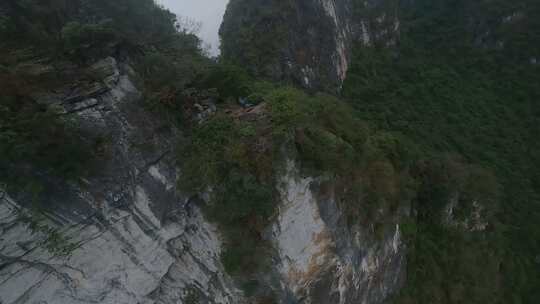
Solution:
(209, 12)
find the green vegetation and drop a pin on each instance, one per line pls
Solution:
(192, 295)
(449, 91)
(32, 135)
(36, 140)
(238, 160)
(448, 88)
(166, 73)
(230, 81)
(218, 156)
(258, 36)
(82, 29)
(47, 46)
(447, 263)
(54, 241)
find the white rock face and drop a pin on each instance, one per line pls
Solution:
(300, 234)
(320, 262)
(136, 239)
(116, 263)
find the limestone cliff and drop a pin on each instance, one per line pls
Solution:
(136, 239)
(127, 233)
(308, 43)
(320, 259)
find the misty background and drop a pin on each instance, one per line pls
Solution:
(208, 12)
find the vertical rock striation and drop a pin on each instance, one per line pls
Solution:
(308, 43)
(138, 240)
(321, 260)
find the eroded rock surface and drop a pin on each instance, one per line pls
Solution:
(137, 239)
(320, 259)
(307, 42)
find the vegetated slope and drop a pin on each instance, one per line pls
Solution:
(48, 46)
(239, 157)
(442, 90)
(77, 55)
(464, 79)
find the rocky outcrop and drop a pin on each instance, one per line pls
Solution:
(134, 238)
(320, 259)
(310, 41)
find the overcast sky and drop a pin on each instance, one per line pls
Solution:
(209, 12)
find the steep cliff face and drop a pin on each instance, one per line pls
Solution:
(127, 234)
(134, 238)
(320, 259)
(309, 42)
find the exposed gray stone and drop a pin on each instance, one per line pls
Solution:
(134, 238)
(138, 240)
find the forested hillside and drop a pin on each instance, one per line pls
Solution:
(416, 181)
(464, 80)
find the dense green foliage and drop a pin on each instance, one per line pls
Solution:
(39, 39)
(239, 160)
(255, 32)
(463, 80)
(218, 155)
(84, 29)
(231, 81)
(453, 262)
(35, 140)
(31, 135)
(48, 45)
(468, 88)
